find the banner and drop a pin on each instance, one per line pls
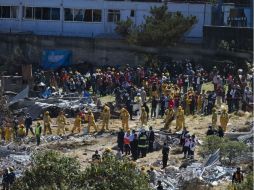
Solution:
(54, 59)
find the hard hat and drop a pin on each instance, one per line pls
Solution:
(38, 123)
(47, 112)
(180, 107)
(142, 168)
(108, 150)
(214, 109)
(22, 126)
(89, 111)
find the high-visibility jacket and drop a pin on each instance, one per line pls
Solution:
(142, 141)
(38, 130)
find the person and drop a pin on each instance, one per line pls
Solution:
(192, 147)
(7, 132)
(165, 152)
(186, 146)
(96, 157)
(120, 139)
(183, 136)
(237, 176)
(154, 106)
(159, 185)
(142, 144)
(134, 147)
(210, 131)
(119, 155)
(47, 121)
(151, 139)
(169, 117)
(105, 115)
(6, 180)
(127, 143)
(125, 116)
(180, 119)
(143, 117)
(147, 110)
(38, 133)
(224, 118)
(61, 122)
(21, 131)
(28, 124)
(91, 121)
(77, 124)
(220, 132)
(12, 176)
(152, 175)
(214, 117)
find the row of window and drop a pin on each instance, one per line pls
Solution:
(8, 12)
(44, 13)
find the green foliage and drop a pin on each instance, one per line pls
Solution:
(124, 27)
(246, 185)
(229, 150)
(51, 170)
(161, 28)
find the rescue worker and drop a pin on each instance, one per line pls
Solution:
(124, 115)
(180, 123)
(199, 103)
(165, 153)
(214, 117)
(143, 117)
(237, 176)
(105, 116)
(224, 119)
(38, 130)
(169, 117)
(61, 122)
(142, 144)
(7, 132)
(91, 121)
(21, 131)
(77, 124)
(47, 121)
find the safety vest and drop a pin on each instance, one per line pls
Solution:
(142, 143)
(38, 130)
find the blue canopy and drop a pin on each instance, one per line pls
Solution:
(53, 59)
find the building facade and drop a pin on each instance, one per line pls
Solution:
(88, 18)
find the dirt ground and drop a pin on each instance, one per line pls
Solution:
(196, 124)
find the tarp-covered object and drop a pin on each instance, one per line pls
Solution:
(53, 59)
(23, 94)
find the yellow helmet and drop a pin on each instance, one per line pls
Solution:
(108, 150)
(47, 112)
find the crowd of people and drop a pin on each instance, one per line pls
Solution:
(141, 93)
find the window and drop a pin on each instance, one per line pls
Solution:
(45, 13)
(14, 12)
(6, 12)
(88, 15)
(28, 12)
(68, 14)
(132, 13)
(38, 13)
(96, 15)
(55, 14)
(78, 15)
(113, 15)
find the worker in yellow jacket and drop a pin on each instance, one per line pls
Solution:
(180, 121)
(21, 131)
(214, 117)
(143, 117)
(169, 117)
(125, 116)
(91, 121)
(8, 132)
(47, 121)
(77, 124)
(105, 116)
(61, 122)
(199, 104)
(224, 118)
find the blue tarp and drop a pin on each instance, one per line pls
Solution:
(53, 59)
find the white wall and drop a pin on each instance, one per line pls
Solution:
(89, 29)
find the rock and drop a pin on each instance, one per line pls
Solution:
(196, 184)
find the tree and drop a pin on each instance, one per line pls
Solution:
(161, 28)
(51, 170)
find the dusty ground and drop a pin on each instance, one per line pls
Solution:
(195, 124)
